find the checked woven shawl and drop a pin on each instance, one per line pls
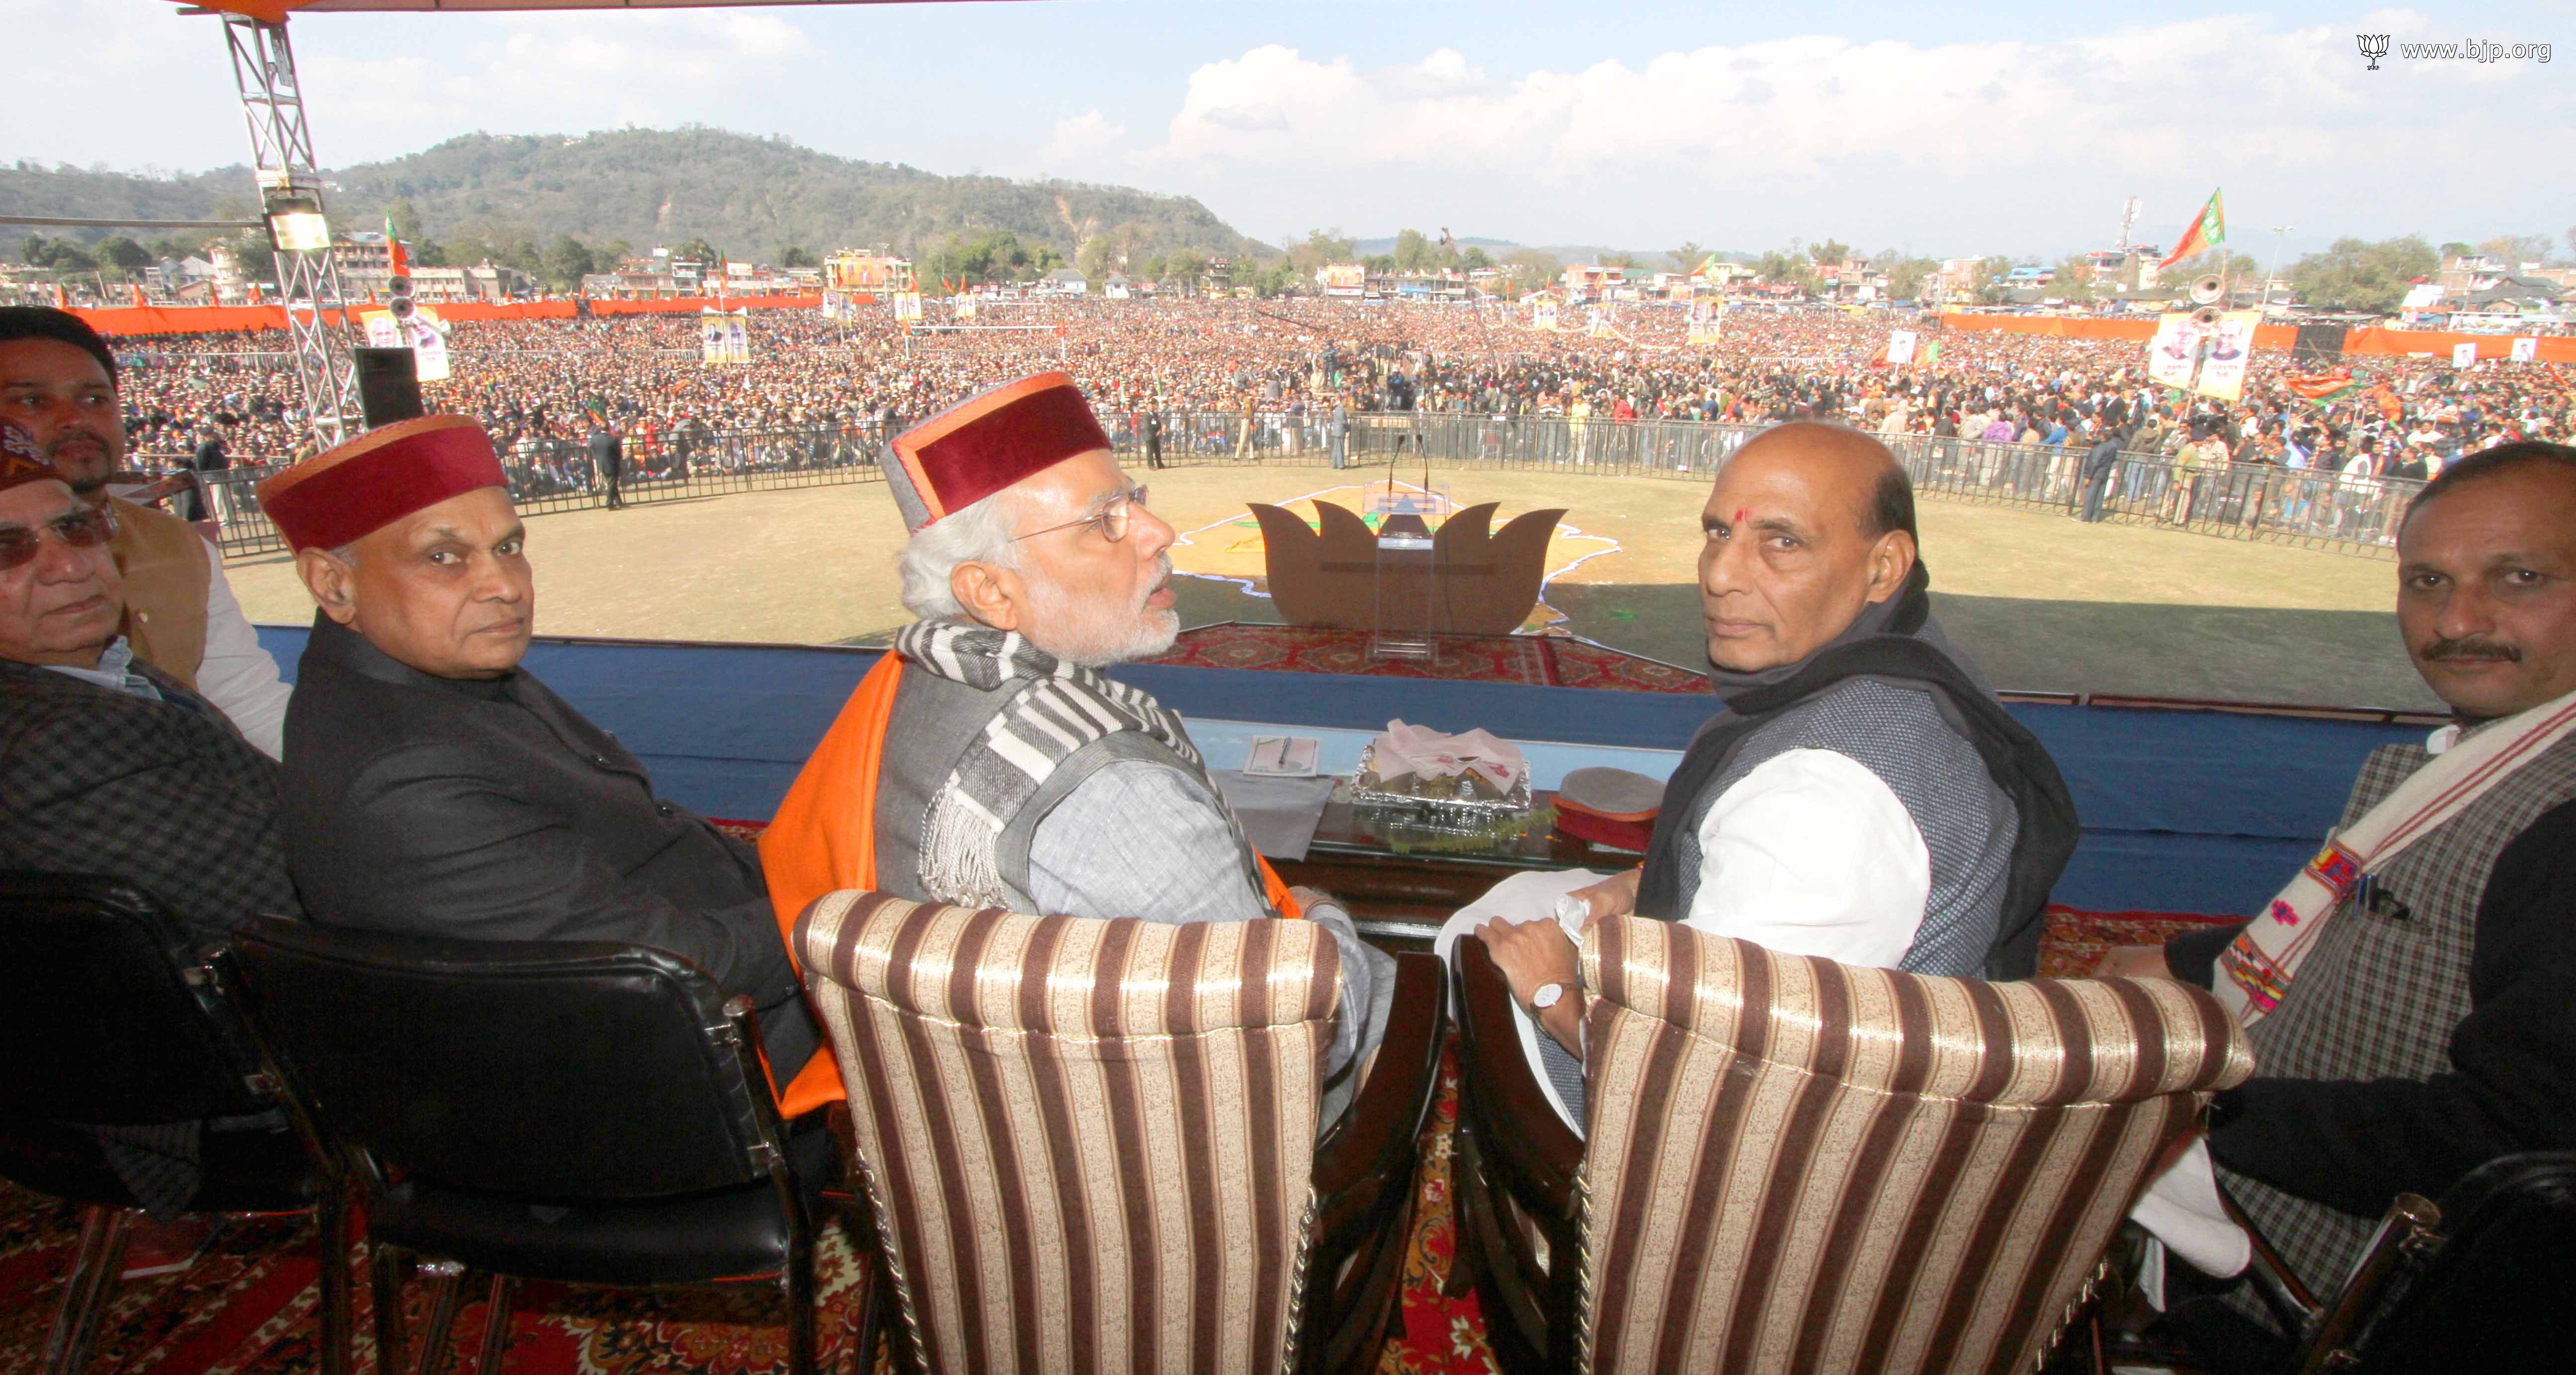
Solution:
(1056, 710)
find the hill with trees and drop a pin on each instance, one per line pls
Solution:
(516, 198)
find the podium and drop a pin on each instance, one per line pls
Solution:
(1408, 591)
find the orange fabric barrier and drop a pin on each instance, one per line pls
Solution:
(2554, 348)
(2382, 342)
(132, 321)
(2057, 327)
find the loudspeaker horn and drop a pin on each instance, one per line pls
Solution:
(2206, 290)
(2206, 317)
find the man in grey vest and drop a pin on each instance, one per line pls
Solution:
(1862, 796)
(1012, 772)
(2427, 1029)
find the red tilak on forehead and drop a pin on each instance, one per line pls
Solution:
(1739, 515)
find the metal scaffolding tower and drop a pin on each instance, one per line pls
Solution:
(290, 191)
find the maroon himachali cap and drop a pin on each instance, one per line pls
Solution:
(344, 494)
(988, 442)
(22, 460)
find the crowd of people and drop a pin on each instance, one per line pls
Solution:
(1217, 377)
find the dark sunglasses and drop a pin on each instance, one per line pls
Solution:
(86, 528)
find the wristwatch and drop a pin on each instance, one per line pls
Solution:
(1546, 996)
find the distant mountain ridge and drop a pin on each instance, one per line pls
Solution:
(748, 196)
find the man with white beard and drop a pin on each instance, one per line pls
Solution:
(986, 761)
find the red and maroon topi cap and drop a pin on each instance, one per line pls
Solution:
(986, 443)
(22, 460)
(348, 493)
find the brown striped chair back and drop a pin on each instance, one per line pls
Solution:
(1801, 1166)
(1088, 1144)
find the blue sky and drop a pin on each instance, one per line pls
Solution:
(1938, 128)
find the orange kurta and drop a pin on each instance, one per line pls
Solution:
(823, 840)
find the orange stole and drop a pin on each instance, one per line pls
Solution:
(823, 840)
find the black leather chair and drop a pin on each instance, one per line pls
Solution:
(2480, 1282)
(109, 1018)
(584, 1113)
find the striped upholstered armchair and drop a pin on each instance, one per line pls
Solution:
(1092, 1145)
(1797, 1164)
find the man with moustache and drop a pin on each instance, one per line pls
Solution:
(58, 383)
(2408, 993)
(1862, 797)
(986, 761)
(434, 787)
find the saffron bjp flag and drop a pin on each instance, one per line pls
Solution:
(2207, 231)
(397, 262)
(2325, 388)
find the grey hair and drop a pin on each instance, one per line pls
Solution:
(981, 533)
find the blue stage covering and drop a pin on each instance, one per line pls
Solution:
(2184, 811)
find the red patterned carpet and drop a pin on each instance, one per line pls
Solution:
(1536, 660)
(248, 1304)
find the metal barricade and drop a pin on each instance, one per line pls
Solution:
(2355, 515)
(559, 476)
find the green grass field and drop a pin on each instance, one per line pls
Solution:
(2043, 602)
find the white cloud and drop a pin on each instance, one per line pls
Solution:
(1078, 141)
(559, 72)
(2019, 142)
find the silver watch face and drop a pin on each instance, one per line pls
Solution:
(1546, 996)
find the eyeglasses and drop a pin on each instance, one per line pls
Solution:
(86, 528)
(1111, 522)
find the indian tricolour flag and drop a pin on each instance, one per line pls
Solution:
(2207, 231)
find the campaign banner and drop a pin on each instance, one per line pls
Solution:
(422, 334)
(2526, 349)
(2175, 350)
(966, 307)
(2231, 348)
(907, 305)
(2465, 353)
(1543, 316)
(428, 344)
(1900, 347)
(1704, 327)
(724, 337)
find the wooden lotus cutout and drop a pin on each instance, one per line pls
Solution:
(1488, 580)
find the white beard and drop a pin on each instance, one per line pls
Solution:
(1094, 633)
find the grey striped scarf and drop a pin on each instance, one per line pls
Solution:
(1056, 709)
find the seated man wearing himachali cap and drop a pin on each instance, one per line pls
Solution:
(987, 762)
(434, 788)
